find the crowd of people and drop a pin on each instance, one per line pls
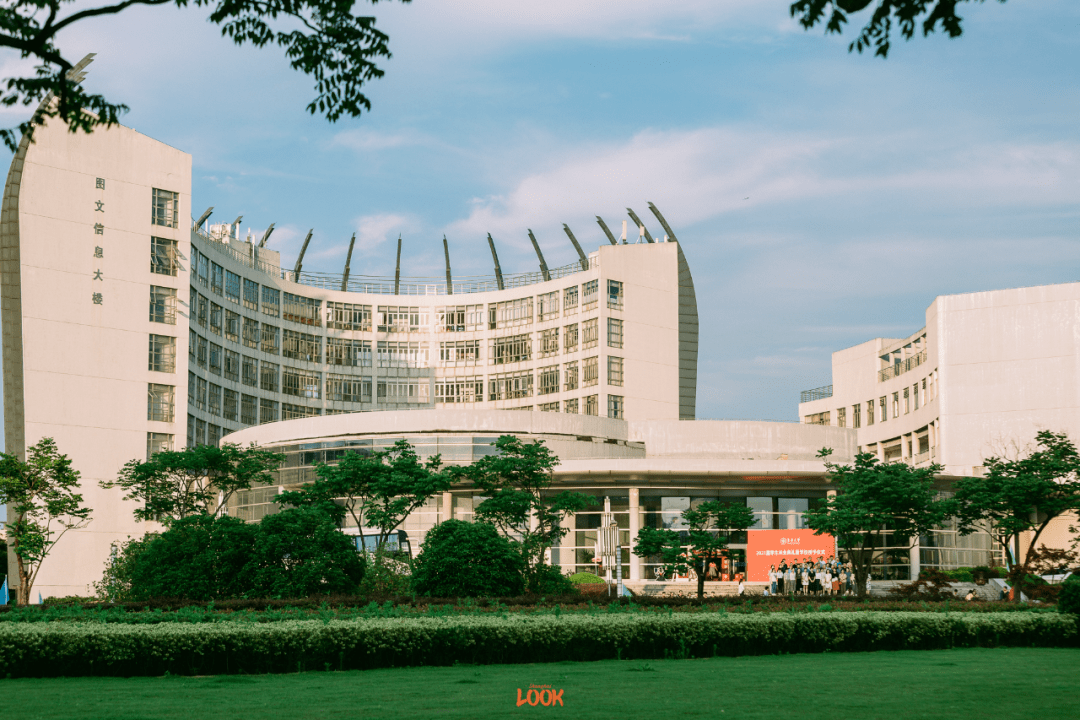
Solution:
(821, 577)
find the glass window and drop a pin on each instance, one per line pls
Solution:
(763, 508)
(348, 388)
(165, 208)
(510, 349)
(270, 340)
(217, 279)
(157, 442)
(232, 366)
(232, 286)
(349, 352)
(571, 406)
(459, 390)
(547, 305)
(268, 410)
(302, 310)
(590, 371)
(163, 256)
(549, 380)
(615, 295)
(592, 405)
(614, 332)
(251, 294)
(590, 331)
(510, 313)
(590, 292)
(614, 371)
(249, 410)
(268, 377)
(232, 326)
(249, 374)
(570, 300)
(570, 338)
(615, 406)
(271, 301)
(571, 375)
(162, 353)
(162, 305)
(346, 316)
(791, 512)
(301, 383)
(159, 402)
(216, 358)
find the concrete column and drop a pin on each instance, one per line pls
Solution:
(447, 507)
(635, 526)
(915, 560)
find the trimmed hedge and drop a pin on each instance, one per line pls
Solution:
(77, 649)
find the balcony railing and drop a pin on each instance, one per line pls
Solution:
(825, 391)
(902, 367)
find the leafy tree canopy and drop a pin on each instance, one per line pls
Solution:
(908, 14)
(174, 484)
(462, 559)
(43, 503)
(321, 38)
(874, 500)
(300, 552)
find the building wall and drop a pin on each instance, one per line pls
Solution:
(76, 370)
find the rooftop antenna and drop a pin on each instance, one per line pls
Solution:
(543, 265)
(584, 259)
(495, 257)
(266, 235)
(348, 260)
(663, 223)
(623, 232)
(300, 259)
(449, 280)
(641, 226)
(234, 229)
(397, 269)
(604, 227)
(204, 216)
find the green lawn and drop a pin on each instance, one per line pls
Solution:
(909, 685)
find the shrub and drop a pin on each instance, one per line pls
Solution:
(1068, 599)
(586, 578)
(386, 576)
(463, 559)
(548, 580)
(300, 552)
(932, 584)
(200, 557)
(115, 583)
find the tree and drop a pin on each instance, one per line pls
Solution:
(520, 505)
(321, 38)
(1022, 496)
(877, 500)
(174, 484)
(462, 559)
(377, 490)
(43, 503)
(300, 552)
(875, 33)
(705, 539)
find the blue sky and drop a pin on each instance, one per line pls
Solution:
(822, 198)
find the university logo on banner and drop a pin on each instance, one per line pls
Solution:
(770, 547)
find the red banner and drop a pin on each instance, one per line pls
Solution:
(770, 547)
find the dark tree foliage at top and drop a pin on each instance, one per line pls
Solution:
(909, 15)
(321, 38)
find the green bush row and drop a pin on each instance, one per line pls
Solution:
(79, 649)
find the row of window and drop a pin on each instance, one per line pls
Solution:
(901, 402)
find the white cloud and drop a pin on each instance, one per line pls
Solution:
(374, 230)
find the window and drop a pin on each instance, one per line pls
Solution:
(232, 365)
(202, 349)
(549, 342)
(202, 311)
(548, 407)
(570, 300)
(821, 418)
(193, 341)
(459, 389)
(215, 358)
(157, 442)
(459, 318)
(403, 391)
(393, 318)
(571, 406)
(884, 409)
(615, 406)
(217, 279)
(163, 254)
(302, 310)
(592, 405)
(162, 305)
(907, 401)
(923, 391)
(268, 410)
(348, 388)
(871, 413)
(401, 354)
(232, 326)
(348, 352)
(459, 352)
(614, 370)
(856, 416)
(589, 293)
(251, 295)
(232, 287)
(200, 266)
(547, 305)
(301, 383)
(215, 318)
(200, 393)
(915, 396)
(346, 316)
(590, 332)
(271, 301)
(291, 412)
(159, 402)
(510, 349)
(896, 404)
(571, 375)
(165, 208)
(549, 380)
(191, 389)
(271, 341)
(614, 332)
(191, 431)
(510, 313)
(229, 404)
(932, 389)
(614, 295)
(249, 410)
(841, 417)
(570, 338)
(213, 434)
(249, 371)
(200, 432)
(213, 399)
(268, 376)
(590, 371)
(251, 333)
(507, 386)
(162, 353)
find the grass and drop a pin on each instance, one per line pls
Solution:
(908, 685)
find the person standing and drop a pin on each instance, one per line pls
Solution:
(772, 580)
